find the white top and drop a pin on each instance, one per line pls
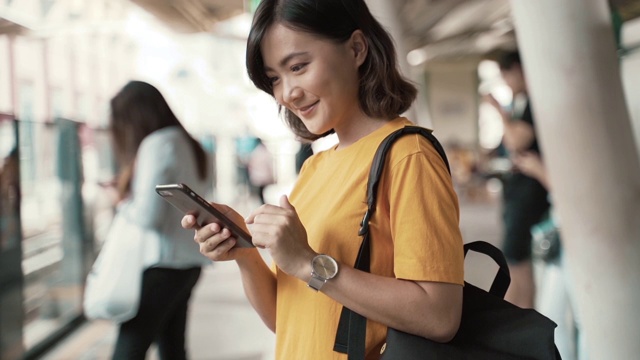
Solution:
(166, 157)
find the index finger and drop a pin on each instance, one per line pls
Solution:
(189, 222)
(265, 209)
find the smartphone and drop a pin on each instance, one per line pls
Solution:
(190, 203)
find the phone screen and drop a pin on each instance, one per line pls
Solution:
(187, 201)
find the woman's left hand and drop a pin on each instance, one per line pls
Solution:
(279, 229)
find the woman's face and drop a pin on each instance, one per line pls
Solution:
(314, 78)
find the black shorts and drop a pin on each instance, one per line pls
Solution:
(525, 203)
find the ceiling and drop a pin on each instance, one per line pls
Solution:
(455, 28)
(440, 27)
(461, 28)
(437, 28)
(9, 27)
(628, 9)
(188, 16)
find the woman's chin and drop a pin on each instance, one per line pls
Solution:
(320, 132)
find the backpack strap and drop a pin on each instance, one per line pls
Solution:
(351, 333)
(378, 166)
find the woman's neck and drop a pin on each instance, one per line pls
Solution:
(357, 128)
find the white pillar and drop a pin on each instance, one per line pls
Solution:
(630, 69)
(572, 71)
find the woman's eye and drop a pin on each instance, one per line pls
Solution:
(298, 67)
(273, 80)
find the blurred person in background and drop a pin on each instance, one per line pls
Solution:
(332, 68)
(524, 198)
(152, 147)
(244, 146)
(260, 169)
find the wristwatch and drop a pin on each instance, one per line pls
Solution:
(323, 268)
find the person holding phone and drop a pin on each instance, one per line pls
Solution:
(524, 198)
(331, 67)
(152, 147)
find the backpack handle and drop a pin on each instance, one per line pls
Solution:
(503, 278)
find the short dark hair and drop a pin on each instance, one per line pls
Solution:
(383, 92)
(509, 59)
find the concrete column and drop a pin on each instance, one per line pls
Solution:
(573, 75)
(630, 69)
(453, 99)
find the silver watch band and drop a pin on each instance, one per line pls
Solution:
(316, 283)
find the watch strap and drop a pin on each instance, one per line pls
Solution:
(316, 283)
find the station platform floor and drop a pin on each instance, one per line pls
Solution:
(224, 326)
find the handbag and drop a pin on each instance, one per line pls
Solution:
(545, 240)
(114, 284)
(490, 328)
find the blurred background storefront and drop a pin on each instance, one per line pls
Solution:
(62, 60)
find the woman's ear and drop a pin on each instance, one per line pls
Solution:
(360, 47)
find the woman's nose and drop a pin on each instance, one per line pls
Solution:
(291, 92)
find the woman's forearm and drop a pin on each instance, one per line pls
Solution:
(428, 309)
(259, 284)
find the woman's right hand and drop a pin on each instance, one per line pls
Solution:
(215, 241)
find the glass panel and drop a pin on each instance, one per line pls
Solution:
(11, 315)
(98, 189)
(51, 245)
(53, 227)
(67, 205)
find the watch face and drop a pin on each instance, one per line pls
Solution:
(325, 267)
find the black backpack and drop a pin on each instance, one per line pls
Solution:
(491, 327)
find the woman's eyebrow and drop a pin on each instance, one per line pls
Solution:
(287, 58)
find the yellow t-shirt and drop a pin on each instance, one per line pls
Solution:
(414, 233)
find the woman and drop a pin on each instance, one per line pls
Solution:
(153, 148)
(331, 67)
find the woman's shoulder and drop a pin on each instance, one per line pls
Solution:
(169, 132)
(413, 145)
(166, 145)
(164, 138)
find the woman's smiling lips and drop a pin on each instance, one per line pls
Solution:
(306, 110)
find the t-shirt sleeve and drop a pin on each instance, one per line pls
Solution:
(424, 216)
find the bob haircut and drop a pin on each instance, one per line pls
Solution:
(383, 92)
